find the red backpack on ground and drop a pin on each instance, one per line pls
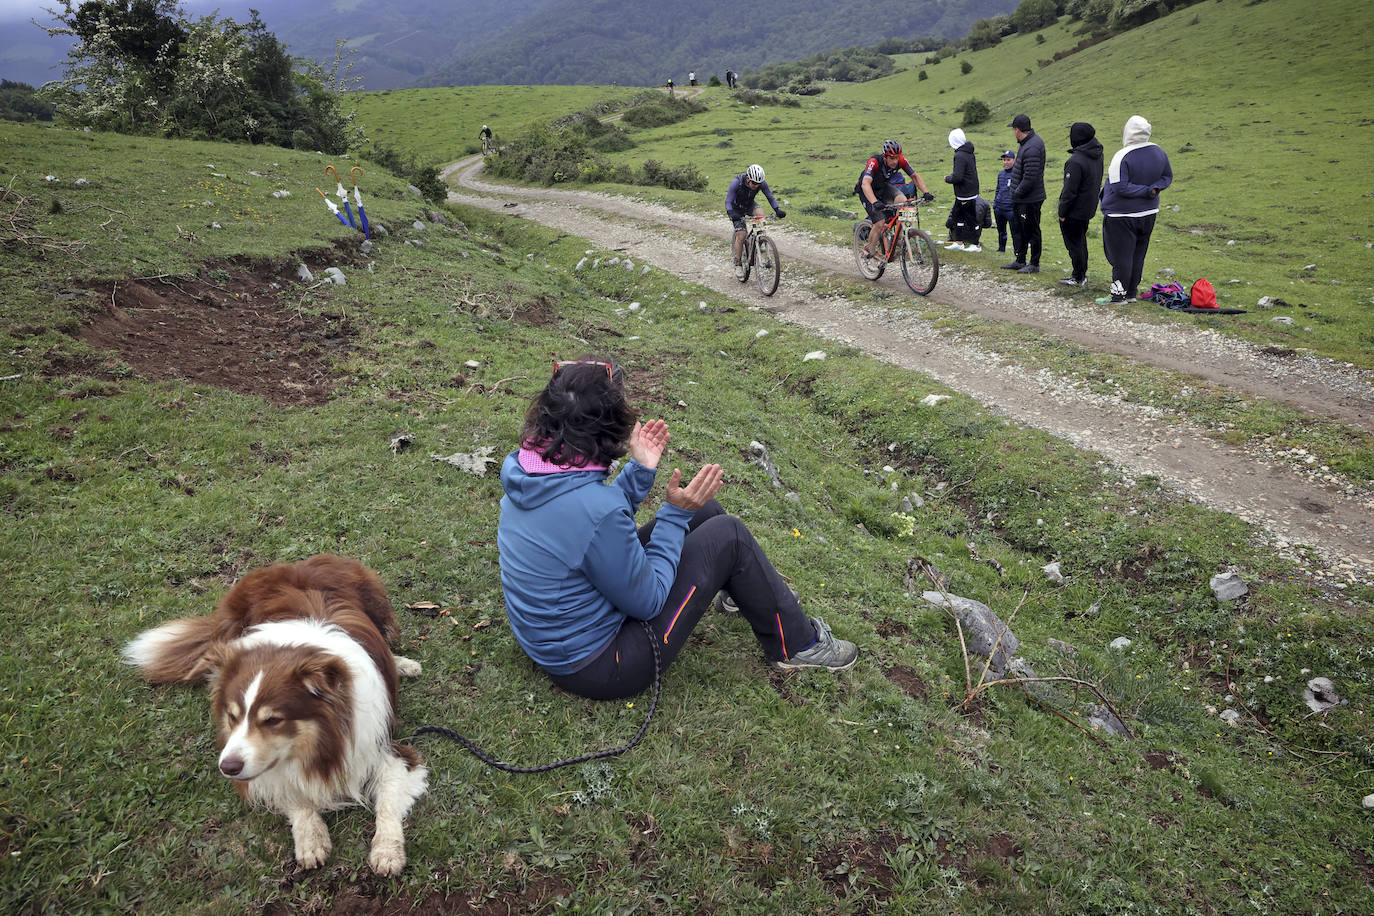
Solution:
(1202, 296)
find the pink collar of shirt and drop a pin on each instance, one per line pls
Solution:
(534, 463)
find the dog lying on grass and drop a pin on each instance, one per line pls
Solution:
(303, 691)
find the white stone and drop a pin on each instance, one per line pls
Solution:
(814, 354)
(931, 400)
(1119, 643)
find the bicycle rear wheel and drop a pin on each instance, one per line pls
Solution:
(920, 264)
(768, 266)
(871, 267)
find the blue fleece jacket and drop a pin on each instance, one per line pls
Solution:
(1137, 174)
(572, 567)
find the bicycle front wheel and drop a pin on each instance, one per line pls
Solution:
(871, 267)
(767, 265)
(920, 263)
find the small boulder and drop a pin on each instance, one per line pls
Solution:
(1228, 586)
(1321, 695)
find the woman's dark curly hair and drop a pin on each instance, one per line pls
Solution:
(581, 416)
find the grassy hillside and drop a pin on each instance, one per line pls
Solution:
(440, 125)
(1260, 107)
(180, 407)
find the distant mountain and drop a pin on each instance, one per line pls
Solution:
(475, 42)
(645, 42)
(397, 41)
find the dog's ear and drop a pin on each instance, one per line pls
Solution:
(322, 675)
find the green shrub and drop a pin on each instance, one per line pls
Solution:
(713, 81)
(976, 111)
(425, 177)
(965, 67)
(678, 177)
(922, 75)
(753, 97)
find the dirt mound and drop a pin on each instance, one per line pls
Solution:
(235, 325)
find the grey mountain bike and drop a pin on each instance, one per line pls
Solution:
(759, 255)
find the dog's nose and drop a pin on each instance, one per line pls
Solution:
(231, 766)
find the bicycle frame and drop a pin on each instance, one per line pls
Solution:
(897, 227)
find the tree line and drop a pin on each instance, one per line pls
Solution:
(145, 67)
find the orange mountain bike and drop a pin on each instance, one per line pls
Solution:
(905, 240)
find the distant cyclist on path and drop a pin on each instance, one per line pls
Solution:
(739, 203)
(880, 186)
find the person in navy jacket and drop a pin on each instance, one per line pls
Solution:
(1130, 201)
(580, 581)
(1001, 200)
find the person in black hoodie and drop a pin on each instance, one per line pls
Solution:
(964, 214)
(1078, 199)
(1027, 196)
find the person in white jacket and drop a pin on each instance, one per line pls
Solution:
(1130, 203)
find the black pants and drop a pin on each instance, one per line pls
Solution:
(1125, 241)
(1026, 236)
(719, 552)
(964, 215)
(1003, 222)
(1075, 232)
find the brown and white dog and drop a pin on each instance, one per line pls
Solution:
(303, 689)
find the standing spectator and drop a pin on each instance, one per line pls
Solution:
(691, 77)
(1078, 199)
(1001, 202)
(1027, 196)
(964, 213)
(730, 77)
(1130, 203)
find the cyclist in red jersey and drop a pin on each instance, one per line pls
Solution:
(880, 186)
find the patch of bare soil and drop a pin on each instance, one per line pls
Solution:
(1332, 515)
(229, 326)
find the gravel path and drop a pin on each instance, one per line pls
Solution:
(1299, 504)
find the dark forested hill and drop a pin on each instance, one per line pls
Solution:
(645, 42)
(632, 42)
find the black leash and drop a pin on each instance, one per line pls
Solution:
(595, 755)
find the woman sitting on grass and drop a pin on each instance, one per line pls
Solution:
(579, 577)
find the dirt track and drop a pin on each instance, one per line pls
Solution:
(1297, 505)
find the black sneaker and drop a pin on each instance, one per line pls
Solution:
(1014, 265)
(1070, 281)
(1029, 269)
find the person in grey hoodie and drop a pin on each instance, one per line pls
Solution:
(1078, 198)
(1130, 202)
(964, 214)
(1027, 196)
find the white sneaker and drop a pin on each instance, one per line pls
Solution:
(955, 246)
(973, 247)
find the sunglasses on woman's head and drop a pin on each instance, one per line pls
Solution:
(560, 363)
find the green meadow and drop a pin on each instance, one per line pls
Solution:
(138, 481)
(1262, 108)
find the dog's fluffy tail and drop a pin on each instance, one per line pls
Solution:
(175, 651)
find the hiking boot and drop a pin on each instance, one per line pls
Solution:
(1014, 265)
(826, 652)
(1029, 269)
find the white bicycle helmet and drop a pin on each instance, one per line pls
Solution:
(754, 173)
